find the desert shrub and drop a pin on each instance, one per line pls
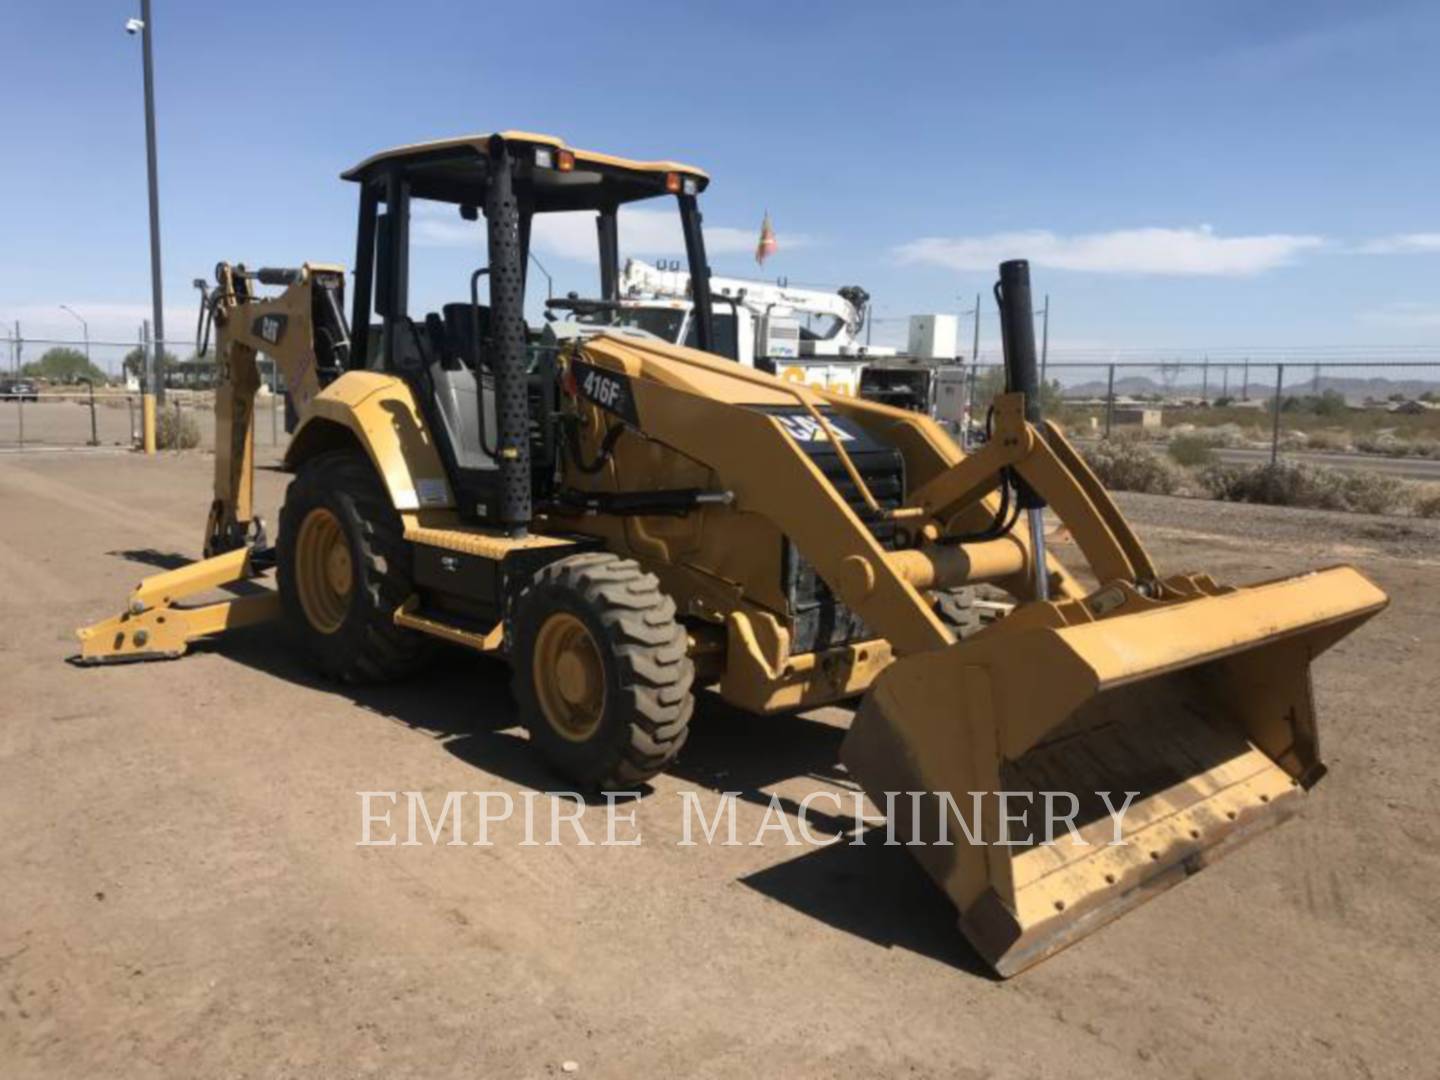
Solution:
(1313, 486)
(176, 430)
(1330, 439)
(1191, 450)
(1427, 506)
(1128, 465)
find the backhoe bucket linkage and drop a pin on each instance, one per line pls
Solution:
(1199, 706)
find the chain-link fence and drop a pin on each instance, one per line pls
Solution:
(1380, 415)
(62, 394)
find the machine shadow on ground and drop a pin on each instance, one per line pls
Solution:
(867, 889)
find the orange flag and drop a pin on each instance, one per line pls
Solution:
(767, 245)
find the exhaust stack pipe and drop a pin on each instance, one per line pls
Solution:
(1017, 328)
(507, 322)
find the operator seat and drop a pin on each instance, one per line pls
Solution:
(459, 396)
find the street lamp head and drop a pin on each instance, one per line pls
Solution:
(134, 26)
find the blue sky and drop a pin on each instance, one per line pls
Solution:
(1202, 175)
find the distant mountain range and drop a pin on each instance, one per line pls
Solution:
(1298, 380)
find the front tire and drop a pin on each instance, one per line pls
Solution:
(343, 569)
(601, 670)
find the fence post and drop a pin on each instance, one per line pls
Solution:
(1110, 401)
(969, 418)
(94, 430)
(20, 404)
(147, 400)
(1275, 431)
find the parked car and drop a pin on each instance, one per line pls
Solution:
(19, 390)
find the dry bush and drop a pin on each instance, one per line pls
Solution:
(1126, 464)
(1315, 486)
(1192, 450)
(1427, 506)
(1392, 445)
(176, 430)
(1330, 439)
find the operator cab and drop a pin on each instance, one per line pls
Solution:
(485, 379)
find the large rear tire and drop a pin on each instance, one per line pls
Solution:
(601, 671)
(344, 567)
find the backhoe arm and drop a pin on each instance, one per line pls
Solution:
(303, 331)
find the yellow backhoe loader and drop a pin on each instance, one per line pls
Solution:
(624, 520)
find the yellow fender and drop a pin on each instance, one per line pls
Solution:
(379, 412)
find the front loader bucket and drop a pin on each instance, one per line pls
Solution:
(1200, 705)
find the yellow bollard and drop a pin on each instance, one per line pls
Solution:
(147, 421)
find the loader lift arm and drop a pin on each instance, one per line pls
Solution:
(1191, 695)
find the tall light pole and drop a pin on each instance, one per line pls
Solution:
(549, 281)
(975, 348)
(144, 27)
(1045, 340)
(84, 328)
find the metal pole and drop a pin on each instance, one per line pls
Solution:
(975, 348)
(1205, 382)
(1110, 401)
(549, 281)
(1044, 341)
(1275, 431)
(94, 431)
(147, 399)
(156, 298)
(1225, 380)
(1245, 384)
(19, 347)
(84, 328)
(969, 408)
(20, 404)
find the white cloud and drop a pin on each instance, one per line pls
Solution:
(1409, 314)
(1185, 252)
(572, 235)
(1403, 244)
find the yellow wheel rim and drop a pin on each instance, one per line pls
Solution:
(569, 677)
(324, 571)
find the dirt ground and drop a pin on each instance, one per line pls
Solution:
(183, 894)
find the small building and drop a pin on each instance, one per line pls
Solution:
(1136, 415)
(1412, 408)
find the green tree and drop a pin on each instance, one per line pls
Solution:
(62, 365)
(135, 361)
(1331, 403)
(992, 382)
